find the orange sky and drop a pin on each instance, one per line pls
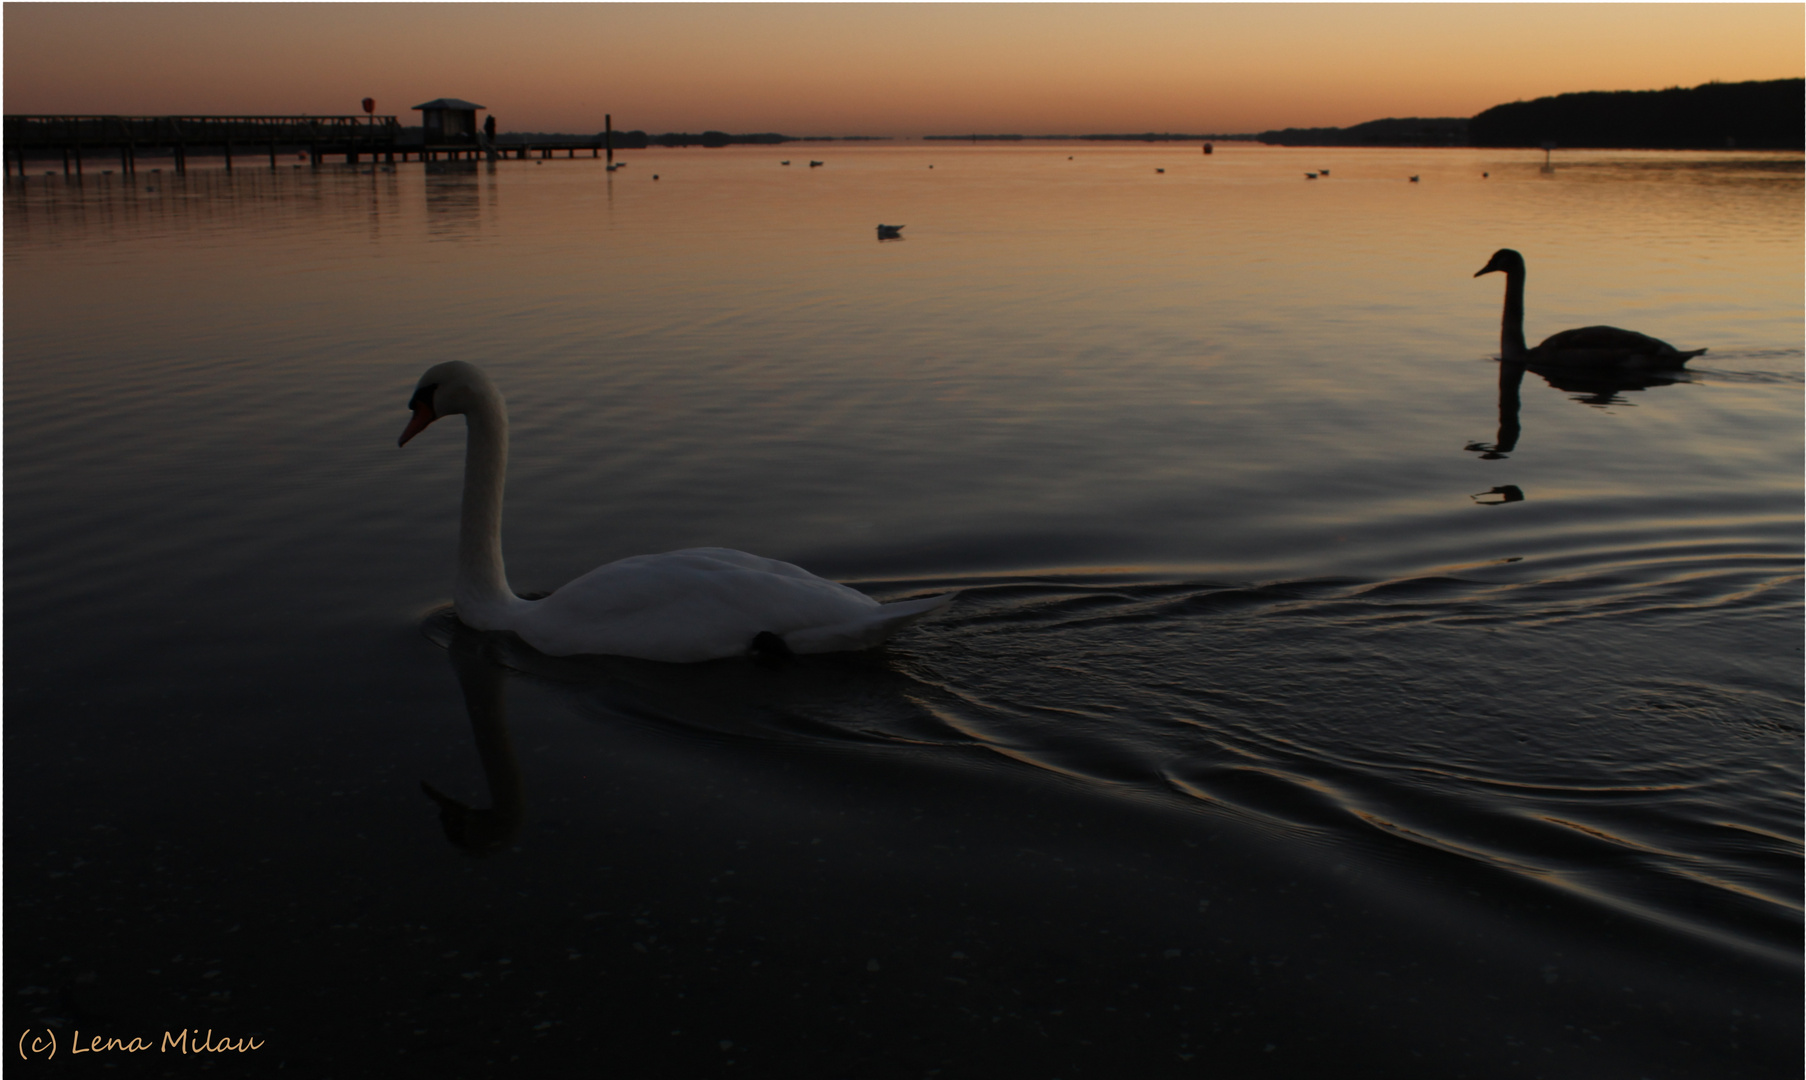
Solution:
(879, 69)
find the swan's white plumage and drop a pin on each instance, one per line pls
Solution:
(681, 606)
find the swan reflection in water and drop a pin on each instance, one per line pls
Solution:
(779, 699)
(1597, 388)
(482, 678)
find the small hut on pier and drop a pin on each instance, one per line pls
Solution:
(449, 122)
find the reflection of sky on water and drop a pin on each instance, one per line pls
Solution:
(1193, 446)
(456, 193)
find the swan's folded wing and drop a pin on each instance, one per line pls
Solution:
(1605, 338)
(715, 558)
(702, 604)
(866, 630)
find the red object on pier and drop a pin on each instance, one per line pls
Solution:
(370, 105)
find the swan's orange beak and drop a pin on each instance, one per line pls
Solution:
(423, 415)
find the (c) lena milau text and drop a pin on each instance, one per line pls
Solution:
(184, 1041)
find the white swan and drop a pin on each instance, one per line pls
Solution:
(1588, 346)
(682, 606)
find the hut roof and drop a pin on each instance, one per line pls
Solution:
(450, 103)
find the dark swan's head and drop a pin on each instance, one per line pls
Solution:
(1503, 260)
(446, 389)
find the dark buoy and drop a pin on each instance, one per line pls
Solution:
(1507, 493)
(1208, 149)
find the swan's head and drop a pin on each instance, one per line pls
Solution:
(1505, 260)
(446, 389)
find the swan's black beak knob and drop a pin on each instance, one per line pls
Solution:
(422, 404)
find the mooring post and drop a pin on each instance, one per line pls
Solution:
(78, 161)
(608, 135)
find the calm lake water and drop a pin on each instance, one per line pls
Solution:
(1314, 695)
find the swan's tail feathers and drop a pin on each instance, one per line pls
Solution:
(867, 630)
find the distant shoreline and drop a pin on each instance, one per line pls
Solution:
(1143, 137)
(1757, 115)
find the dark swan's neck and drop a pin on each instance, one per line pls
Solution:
(1511, 330)
(1511, 377)
(481, 590)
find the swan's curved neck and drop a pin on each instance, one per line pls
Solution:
(481, 590)
(1511, 330)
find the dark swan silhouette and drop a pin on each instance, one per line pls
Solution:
(682, 606)
(1589, 346)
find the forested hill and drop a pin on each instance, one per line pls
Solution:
(1747, 116)
(1716, 116)
(1393, 131)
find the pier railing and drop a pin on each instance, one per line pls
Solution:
(315, 136)
(56, 132)
(130, 135)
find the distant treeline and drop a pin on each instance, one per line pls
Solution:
(1408, 131)
(639, 140)
(1748, 115)
(1146, 136)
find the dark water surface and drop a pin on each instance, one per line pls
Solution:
(1317, 699)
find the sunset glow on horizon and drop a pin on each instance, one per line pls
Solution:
(899, 70)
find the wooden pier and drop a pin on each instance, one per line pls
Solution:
(75, 137)
(81, 138)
